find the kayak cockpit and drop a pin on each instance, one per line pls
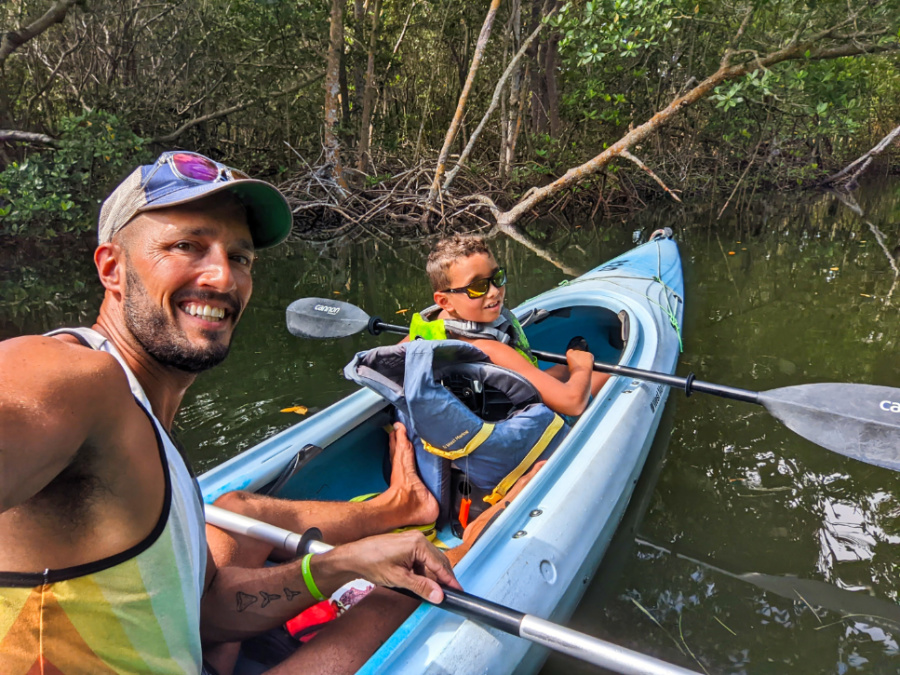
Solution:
(357, 463)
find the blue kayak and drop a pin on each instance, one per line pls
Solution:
(541, 552)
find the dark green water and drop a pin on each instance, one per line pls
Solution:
(776, 552)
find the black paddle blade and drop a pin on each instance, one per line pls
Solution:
(861, 421)
(321, 318)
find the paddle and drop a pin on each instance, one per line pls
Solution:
(811, 592)
(553, 636)
(861, 421)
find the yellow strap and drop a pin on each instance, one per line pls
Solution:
(504, 485)
(479, 438)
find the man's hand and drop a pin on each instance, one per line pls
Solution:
(405, 560)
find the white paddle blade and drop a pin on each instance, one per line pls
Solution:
(861, 421)
(321, 318)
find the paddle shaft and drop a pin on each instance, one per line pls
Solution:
(553, 636)
(688, 384)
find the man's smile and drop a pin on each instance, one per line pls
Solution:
(205, 312)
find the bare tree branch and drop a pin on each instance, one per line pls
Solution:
(13, 136)
(805, 50)
(168, 138)
(55, 70)
(726, 58)
(483, 38)
(865, 160)
(629, 156)
(495, 100)
(16, 38)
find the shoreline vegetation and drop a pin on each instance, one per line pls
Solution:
(405, 118)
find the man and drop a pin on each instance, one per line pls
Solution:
(104, 564)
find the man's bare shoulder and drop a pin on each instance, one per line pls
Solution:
(39, 367)
(56, 397)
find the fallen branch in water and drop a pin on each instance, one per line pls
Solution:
(849, 182)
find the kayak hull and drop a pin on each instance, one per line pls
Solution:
(544, 548)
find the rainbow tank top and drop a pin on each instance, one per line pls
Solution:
(135, 612)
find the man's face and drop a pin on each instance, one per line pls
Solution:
(187, 282)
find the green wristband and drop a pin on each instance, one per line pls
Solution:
(307, 577)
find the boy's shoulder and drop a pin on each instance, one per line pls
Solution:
(503, 355)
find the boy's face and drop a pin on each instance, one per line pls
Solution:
(462, 273)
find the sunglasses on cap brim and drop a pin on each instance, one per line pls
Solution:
(192, 166)
(480, 287)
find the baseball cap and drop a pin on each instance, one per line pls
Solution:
(182, 177)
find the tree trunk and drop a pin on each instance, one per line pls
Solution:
(535, 54)
(516, 126)
(551, 63)
(510, 108)
(345, 90)
(332, 93)
(359, 83)
(369, 94)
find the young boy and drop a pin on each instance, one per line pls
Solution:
(469, 289)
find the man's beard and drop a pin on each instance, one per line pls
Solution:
(162, 339)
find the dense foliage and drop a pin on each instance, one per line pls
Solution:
(240, 80)
(47, 194)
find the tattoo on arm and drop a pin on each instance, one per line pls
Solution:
(245, 600)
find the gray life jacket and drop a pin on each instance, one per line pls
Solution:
(437, 386)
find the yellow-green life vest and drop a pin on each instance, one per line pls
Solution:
(505, 329)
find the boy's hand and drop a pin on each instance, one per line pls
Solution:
(579, 360)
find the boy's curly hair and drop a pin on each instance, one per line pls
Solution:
(447, 251)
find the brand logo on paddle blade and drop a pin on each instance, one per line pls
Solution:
(327, 309)
(890, 406)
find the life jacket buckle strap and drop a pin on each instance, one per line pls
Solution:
(508, 481)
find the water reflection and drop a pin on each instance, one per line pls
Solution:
(765, 553)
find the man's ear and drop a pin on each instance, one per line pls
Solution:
(109, 260)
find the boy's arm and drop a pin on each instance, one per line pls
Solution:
(565, 398)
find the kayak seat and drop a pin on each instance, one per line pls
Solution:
(493, 399)
(463, 414)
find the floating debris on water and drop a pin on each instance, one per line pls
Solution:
(724, 626)
(299, 409)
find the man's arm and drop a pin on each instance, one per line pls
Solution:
(240, 602)
(566, 398)
(54, 398)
